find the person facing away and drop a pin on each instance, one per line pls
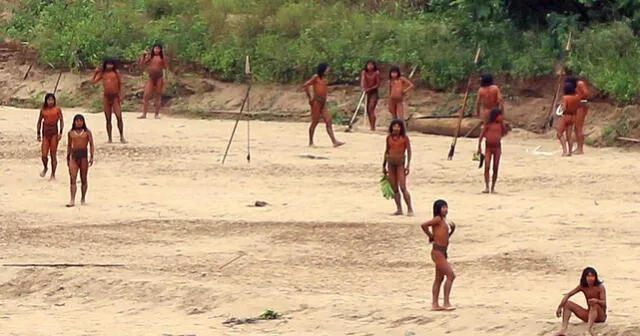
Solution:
(596, 297)
(492, 132)
(440, 239)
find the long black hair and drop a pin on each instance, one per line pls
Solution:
(161, 49)
(573, 80)
(394, 69)
(46, 97)
(583, 278)
(437, 207)
(321, 69)
(493, 116)
(394, 122)
(108, 61)
(486, 80)
(375, 65)
(84, 123)
(569, 88)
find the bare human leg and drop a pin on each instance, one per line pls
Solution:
(117, 110)
(315, 119)
(326, 116)
(487, 164)
(568, 131)
(53, 151)
(496, 165)
(393, 180)
(159, 90)
(73, 176)
(393, 109)
(560, 134)
(372, 101)
(84, 170)
(596, 314)
(148, 93)
(402, 184)
(435, 291)
(579, 130)
(108, 110)
(571, 307)
(45, 156)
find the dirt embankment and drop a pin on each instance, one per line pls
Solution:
(193, 92)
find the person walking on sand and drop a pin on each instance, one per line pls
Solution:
(112, 94)
(583, 92)
(596, 296)
(49, 134)
(155, 63)
(394, 166)
(492, 132)
(398, 87)
(318, 103)
(440, 239)
(570, 105)
(370, 83)
(488, 98)
(78, 158)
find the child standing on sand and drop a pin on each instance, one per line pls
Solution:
(493, 132)
(440, 239)
(394, 167)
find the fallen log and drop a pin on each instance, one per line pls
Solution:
(628, 139)
(444, 126)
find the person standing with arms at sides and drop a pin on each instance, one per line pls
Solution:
(370, 83)
(398, 87)
(488, 98)
(492, 132)
(155, 63)
(49, 134)
(440, 239)
(596, 296)
(78, 158)
(583, 92)
(112, 95)
(318, 103)
(394, 164)
(570, 105)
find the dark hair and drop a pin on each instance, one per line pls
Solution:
(573, 80)
(375, 66)
(583, 278)
(161, 49)
(109, 61)
(322, 68)
(79, 117)
(569, 88)
(394, 122)
(46, 97)
(486, 80)
(437, 207)
(395, 69)
(493, 116)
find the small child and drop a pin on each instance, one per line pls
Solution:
(492, 132)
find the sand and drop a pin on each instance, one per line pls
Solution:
(325, 251)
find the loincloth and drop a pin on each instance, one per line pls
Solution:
(49, 131)
(442, 249)
(78, 154)
(395, 160)
(155, 76)
(489, 146)
(320, 100)
(373, 93)
(396, 100)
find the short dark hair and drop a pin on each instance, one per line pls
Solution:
(569, 88)
(321, 69)
(486, 80)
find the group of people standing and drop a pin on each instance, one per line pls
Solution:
(80, 144)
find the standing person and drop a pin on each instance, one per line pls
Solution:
(155, 63)
(318, 103)
(394, 164)
(49, 134)
(397, 90)
(370, 82)
(78, 158)
(596, 296)
(570, 105)
(488, 98)
(440, 239)
(583, 92)
(112, 95)
(492, 132)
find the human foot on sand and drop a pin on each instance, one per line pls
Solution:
(448, 307)
(142, 117)
(562, 332)
(43, 172)
(70, 205)
(410, 213)
(486, 191)
(397, 213)
(337, 144)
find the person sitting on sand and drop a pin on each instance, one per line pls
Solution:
(394, 164)
(596, 296)
(492, 132)
(78, 140)
(112, 95)
(440, 239)
(399, 85)
(49, 134)
(318, 103)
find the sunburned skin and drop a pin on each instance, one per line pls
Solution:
(112, 96)
(398, 87)
(49, 134)
(393, 166)
(80, 156)
(570, 104)
(492, 133)
(370, 83)
(583, 92)
(318, 104)
(596, 297)
(155, 63)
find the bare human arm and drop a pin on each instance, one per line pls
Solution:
(425, 226)
(362, 82)
(453, 228)
(566, 298)
(477, 113)
(482, 136)
(92, 148)
(165, 63)
(61, 118)
(68, 147)
(39, 127)
(146, 57)
(384, 157)
(500, 101)
(410, 84)
(308, 84)
(97, 76)
(119, 79)
(406, 169)
(602, 300)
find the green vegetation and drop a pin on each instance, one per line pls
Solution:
(287, 38)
